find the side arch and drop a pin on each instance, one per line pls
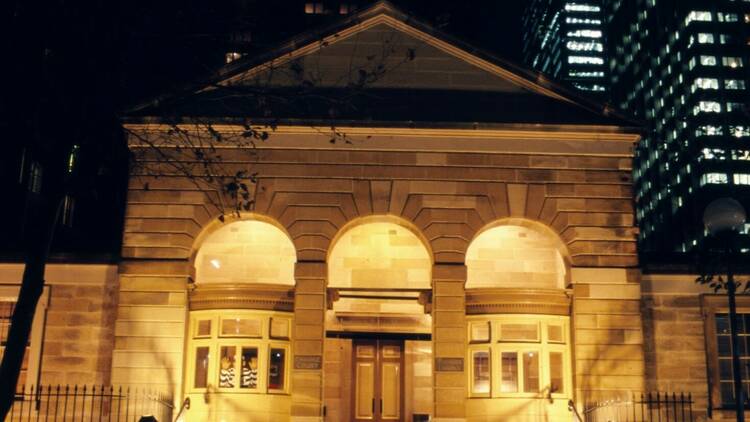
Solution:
(517, 252)
(251, 248)
(382, 251)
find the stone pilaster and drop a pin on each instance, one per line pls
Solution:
(449, 341)
(309, 336)
(608, 333)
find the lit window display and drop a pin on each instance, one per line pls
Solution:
(524, 356)
(239, 351)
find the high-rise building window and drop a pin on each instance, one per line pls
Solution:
(584, 46)
(707, 107)
(585, 60)
(704, 38)
(709, 130)
(741, 179)
(231, 56)
(705, 83)
(734, 106)
(732, 62)
(314, 8)
(585, 33)
(708, 60)
(714, 179)
(734, 84)
(575, 7)
(67, 211)
(700, 16)
(739, 131)
(727, 17)
(714, 154)
(585, 21)
(35, 177)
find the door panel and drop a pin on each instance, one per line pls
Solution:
(391, 391)
(365, 390)
(378, 378)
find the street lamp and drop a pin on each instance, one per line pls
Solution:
(722, 218)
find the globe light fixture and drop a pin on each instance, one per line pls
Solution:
(724, 215)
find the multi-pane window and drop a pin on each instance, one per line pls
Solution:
(519, 356)
(705, 83)
(709, 130)
(724, 355)
(714, 179)
(707, 107)
(732, 62)
(30, 367)
(700, 16)
(239, 351)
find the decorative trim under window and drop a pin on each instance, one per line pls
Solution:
(247, 296)
(518, 301)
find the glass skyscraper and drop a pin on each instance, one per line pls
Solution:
(681, 67)
(565, 40)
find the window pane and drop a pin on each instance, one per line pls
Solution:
(480, 332)
(276, 369)
(481, 372)
(724, 347)
(555, 333)
(556, 373)
(249, 368)
(201, 367)
(509, 369)
(226, 371)
(530, 372)
(204, 328)
(722, 324)
(519, 332)
(727, 392)
(240, 327)
(725, 369)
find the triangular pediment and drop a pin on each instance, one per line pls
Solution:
(384, 49)
(403, 71)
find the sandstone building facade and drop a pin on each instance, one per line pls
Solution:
(465, 252)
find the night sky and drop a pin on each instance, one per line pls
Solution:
(72, 69)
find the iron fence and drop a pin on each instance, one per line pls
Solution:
(651, 407)
(88, 404)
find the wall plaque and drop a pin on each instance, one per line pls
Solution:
(308, 362)
(449, 364)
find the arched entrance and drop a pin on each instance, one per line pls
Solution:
(377, 347)
(239, 335)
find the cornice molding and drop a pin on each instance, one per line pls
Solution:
(518, 301)
(247, 296)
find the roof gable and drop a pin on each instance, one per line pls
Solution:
(388, 53)
(410, 72)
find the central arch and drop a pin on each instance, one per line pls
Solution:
(380, 252)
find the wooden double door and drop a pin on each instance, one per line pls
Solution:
(378, 374)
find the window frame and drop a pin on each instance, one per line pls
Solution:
(215, 341)
(543, 346)
(9, 293)
(712, 304)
